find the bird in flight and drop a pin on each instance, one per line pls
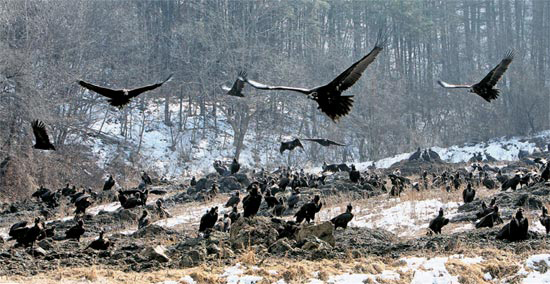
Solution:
(329, 97)
(290, 145)
(237, 88)
(324, 142)
(41, 136)
(486, 87)
(121, 97)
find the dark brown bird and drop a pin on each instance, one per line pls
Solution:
(76, 231)
(100, 243)
(120, 97)
(290, 145)
(41, 136)
(438, 222)
(237, 88)
(486, 87)
(329, 97)
(545, 219)
(343, 219)
(324, 142)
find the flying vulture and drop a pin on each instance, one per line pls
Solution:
(237, 88)
(329, 97)
(324, 142)
(290, 145)
(486, 87)
(41, 136)
(121, 97)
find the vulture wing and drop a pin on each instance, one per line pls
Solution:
(347, 78)
(41, 136)
(492, 78)
(451, 86)
(135, 92)
(110, 93)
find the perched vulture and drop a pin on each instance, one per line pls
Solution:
(237, 88)
(486, 87)
(290, 145)
(121, 97)
(329, 97)
(438, 222)
(343, 219)
(324, 142)
(41, 136)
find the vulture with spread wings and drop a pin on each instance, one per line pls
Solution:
(121, 97)
(486, 87)
(290, 145)
(329, 97)
(324, 142)
(41, 136)
(237, 88)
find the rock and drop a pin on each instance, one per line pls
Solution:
(229, 184)
(125, 215)
(281, 246)
(45, 244)
(157, 253)
(314, 243)
(193, 257)
(242, 178)
(204, 183)
(323, 231)
(212, 249)
(37, 251)
(252, 231)
(151, 231)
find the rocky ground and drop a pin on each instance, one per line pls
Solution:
(386, 240)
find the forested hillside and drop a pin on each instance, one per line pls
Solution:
(46, 46)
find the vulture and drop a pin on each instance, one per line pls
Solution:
(354, 175)
(329, 97)
(100, 243)
(511, 183)
(545, 219)
(545, 174)
(290, 145)
(41, 136)
(468, 194)
(251, 202)
(234, 200)
(488, 183)
(234, 167)
(516, 230)
(490, 219)
(76, 231)
(82, 203)
(234, 215)
(24, 235)
(279, 209)
(324, 142)
(109, 183)
(343, 219)
(209, 219)
(144, 220)
(120, 97)
(416, 155)
(438, 222)
(270, 200)
(237, 88)
(308, 210)
(486, 87)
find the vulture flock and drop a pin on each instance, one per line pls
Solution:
(331, 101)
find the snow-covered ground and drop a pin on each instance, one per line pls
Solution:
(404, 218)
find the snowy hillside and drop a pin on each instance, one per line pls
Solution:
(196, 149)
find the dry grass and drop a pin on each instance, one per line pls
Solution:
(500, 264)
